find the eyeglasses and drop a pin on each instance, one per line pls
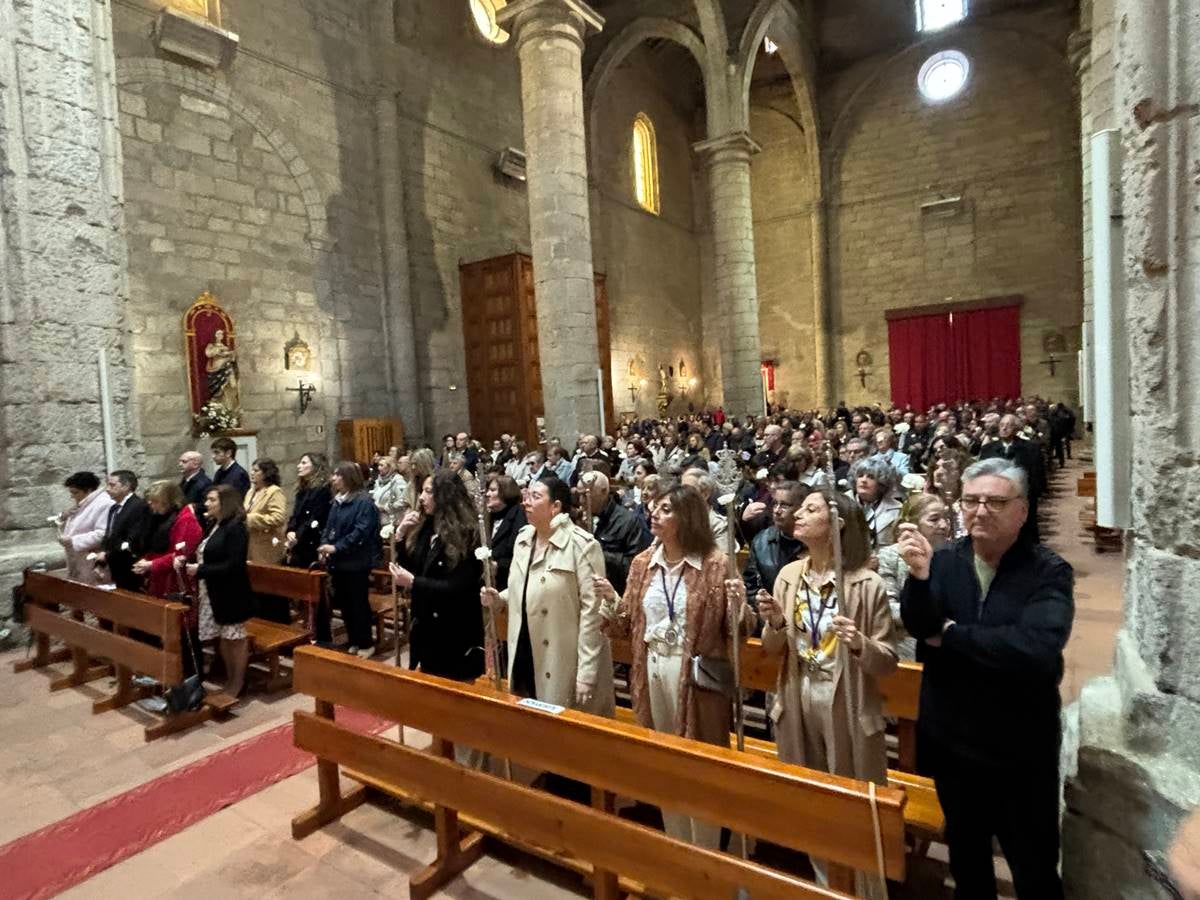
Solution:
(993, 504)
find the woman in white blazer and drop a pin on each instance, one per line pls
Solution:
(556, 651)
(82, 527)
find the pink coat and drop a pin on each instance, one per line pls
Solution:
(85, 526)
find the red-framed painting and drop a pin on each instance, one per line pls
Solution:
(211, 352)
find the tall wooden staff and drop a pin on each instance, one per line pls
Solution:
(492, 645)
(835, 526)
(729, 477)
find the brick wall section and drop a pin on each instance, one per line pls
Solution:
(62, 284)
(652, 263)
(1008, 148)
(782, 203)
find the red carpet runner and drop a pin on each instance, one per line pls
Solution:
(61, 855)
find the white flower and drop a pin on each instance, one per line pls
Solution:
(274, 542)
(386, 532)
(125, 545)
(54, 520)
(181, 545)
(912, 482)
(90, 557)
(482, 553)
(315, 524)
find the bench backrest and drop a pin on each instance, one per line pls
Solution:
(760, 672)
(823, 814)
(304, 585)
(162, 619)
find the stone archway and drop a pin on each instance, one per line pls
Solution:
(148, 70)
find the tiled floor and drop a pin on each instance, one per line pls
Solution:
(58, 759)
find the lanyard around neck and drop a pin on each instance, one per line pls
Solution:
(669, 596)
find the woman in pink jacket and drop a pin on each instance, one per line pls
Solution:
(82, 526)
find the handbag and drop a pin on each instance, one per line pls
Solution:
(713, 673)
(188, 694)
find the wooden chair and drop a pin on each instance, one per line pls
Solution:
(848, 823)
(270, 640)
(133, 618)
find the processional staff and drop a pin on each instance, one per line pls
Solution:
(729, 477)
(484, 554)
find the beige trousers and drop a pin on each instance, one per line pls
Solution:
(664, 671)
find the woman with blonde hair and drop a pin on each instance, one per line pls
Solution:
(828, 713)
(933, 521)
(681, 614)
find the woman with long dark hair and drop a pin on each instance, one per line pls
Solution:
(436, 563)
(225, 598)
(349, 546)
(310, 510)
(680, 611)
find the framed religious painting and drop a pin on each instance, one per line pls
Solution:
(210, 348)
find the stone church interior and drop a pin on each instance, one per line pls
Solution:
(616, 448)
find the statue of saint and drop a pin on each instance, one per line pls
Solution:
(222, 372)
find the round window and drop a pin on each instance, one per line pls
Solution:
(484, 14)
(943, 75)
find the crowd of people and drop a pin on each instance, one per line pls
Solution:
(932, 514)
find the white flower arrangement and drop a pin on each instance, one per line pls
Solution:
(483, 553)
(213, 418)
(912, 482)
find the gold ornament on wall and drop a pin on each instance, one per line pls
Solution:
(297, 355)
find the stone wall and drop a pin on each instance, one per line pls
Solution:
(258, 185)
(1005, 146)
(783, 191)
(460, 105)
(652, 262)
(62, 282)
(1138, 765)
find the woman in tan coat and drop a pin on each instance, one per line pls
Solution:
(677, 605)
(557, 652)
(828, 714)
(266, 513)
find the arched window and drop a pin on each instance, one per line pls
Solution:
(645, 164)
(484, 14)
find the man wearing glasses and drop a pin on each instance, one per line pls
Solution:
(993, 612)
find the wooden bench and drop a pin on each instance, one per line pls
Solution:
(269, 640)
(1105, 539)
(901, 692)
(131, 615)
(829, 817)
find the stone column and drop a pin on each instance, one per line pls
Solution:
(549, 38)
(63, 282)
(397, 312)
(1138, 763)
(822, 326)
(727, 159)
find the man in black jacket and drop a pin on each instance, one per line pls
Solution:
(993, 612)
(618, 530)
(774, 547)
(194, 481)
(1028, 456)
(229, 471)
(125, 530)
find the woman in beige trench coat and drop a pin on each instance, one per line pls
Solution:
(266, 513)
(828, 713)
(556, 651)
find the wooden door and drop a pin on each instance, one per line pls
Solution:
(496, 379)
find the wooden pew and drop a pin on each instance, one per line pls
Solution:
(901, 693)
(128, 612)
(269, 640)
(832, 818)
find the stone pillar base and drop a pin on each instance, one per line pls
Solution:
(1124, 803)
(19, 556)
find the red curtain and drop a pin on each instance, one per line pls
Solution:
(921, 363)
(947, 357)
(987, 348)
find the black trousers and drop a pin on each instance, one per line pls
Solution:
(350, 595)
(1018, 806)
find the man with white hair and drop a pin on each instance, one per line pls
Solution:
(1015, 449)
(993, 611)
(618, 529)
